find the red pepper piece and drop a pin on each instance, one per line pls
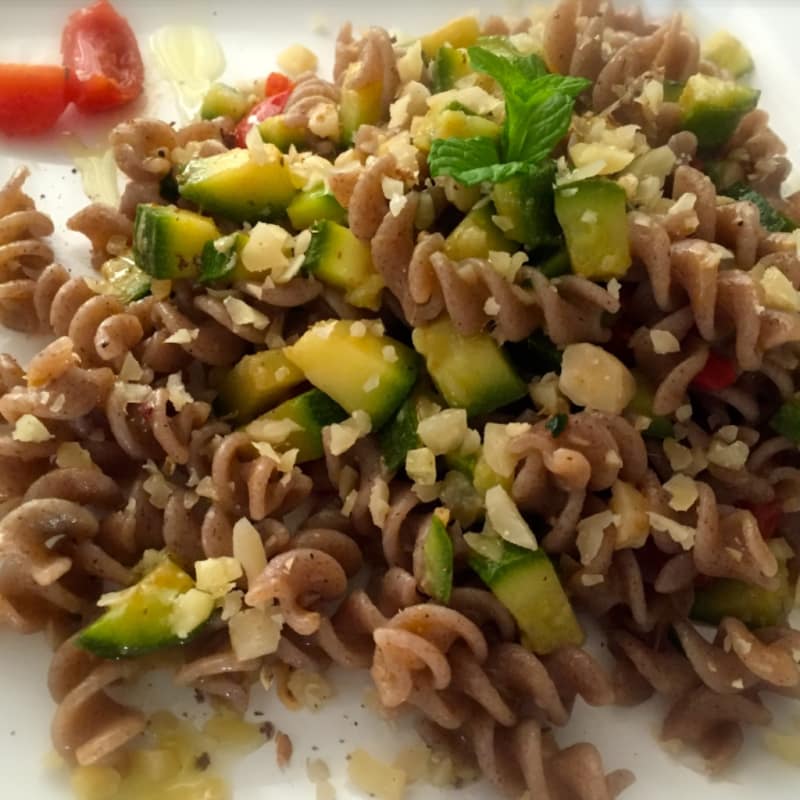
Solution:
(718, 373)
(32, 98)
(270, 107)
(767, 515)
(277, 83)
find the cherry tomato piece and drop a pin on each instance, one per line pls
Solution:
(32, 98)
(100, 50)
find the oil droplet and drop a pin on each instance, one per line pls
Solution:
(191, 58)
(97, 169)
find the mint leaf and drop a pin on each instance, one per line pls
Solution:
(512, 73)
(471, 161)
(532, 131)
(538, 114)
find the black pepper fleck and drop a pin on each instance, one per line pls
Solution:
(198, 696)
(202, 762)
(268, 730)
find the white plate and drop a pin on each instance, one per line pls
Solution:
(251, 34)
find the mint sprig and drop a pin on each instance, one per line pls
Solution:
(538, 112)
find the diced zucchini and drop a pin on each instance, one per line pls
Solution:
(358, 105)
(124, 279)
(400, 435)
(311, 411)
(465, 464)
(144, 618)
(593, 216)
(358, 367)
(450, 64)
(728, 53)
(233, 185)
(786, 420)
(526, 583)
(673, 91)
(277, 131)
(339, 258)
(451, 123)
(221, 262)
(484, 477)
(222, 100)
(712, 108)
(754, 606)
(470, 372)
(527, 202)
(256, 383)
(460, 32)
(555, 265)
(437, 552)
(313, 206)
(771, 219)
(476, 236)
(535, 356)
(642, 405)
(168, 241)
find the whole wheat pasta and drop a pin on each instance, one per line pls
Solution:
(618, 419)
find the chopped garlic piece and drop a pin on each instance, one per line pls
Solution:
(506, 264)
(444, 431)
(594, 378)
(231, 604)
(297, 59)
(547, 396)
(254, 632)
(190, 610)
(606, 159)
(182, 336)
(410, 64)
(496, 442)
(323, 120)
(273, 431)
(379, 501)
(730, 456)
(613, 287)
(217, 576)
(679, 457)
(284, 461)
(248, 549)
(590, 534)
(664, 342)
(630, 508)
(389, 353)
(158, 488)
(242, 313)
(131, 369)
(683, 491)
(779, 293)
(680, 534)
(683, 413)
(506, 521)
(71, 454)
(176, 391)
(421, 466)
(30, 429)
(344, 435)
(491, 307)
(266, 250)
(685, 202)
